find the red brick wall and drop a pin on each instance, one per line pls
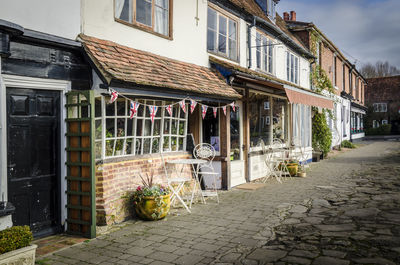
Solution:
(116, 177)
(339, 74)
(381, 90)
(346, 80)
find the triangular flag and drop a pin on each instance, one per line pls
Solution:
(183, 105)
(169, 109)
(215, 109)
(233, 106)
(204, 110)
(193, 104)
(153, 112)
(114, 95)
(133, 109)
(224, 108)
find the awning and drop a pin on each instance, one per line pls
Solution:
(307, 98)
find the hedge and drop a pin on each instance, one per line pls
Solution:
(384, 129)
(14, 238)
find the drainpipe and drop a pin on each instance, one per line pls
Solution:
(249, 40)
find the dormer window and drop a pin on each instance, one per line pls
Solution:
(268, 6)
(149, 15)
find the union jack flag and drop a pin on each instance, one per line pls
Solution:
(233, 106)
(133, 109)
(215, 112)
(192, 105)
(224, 108)
(183, 106)
(114, 95)
(153, 112)
(169, 109)
(204, 110)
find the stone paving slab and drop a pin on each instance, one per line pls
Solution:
(346, 211)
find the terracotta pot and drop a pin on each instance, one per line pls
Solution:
(147, 208)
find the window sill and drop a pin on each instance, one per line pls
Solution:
(144, 28)
(223, 56)
(138, 157)
(261, 71)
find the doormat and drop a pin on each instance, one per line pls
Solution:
(54, 243)
(250, 186)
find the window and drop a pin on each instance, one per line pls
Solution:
(380, 107)
(302, 124)
(118, 135)
(264, 53)
(221, 35)
(375, 124)
(211, 130)
(268, 6)
(292, 67)
(384, 122)
(150, 14)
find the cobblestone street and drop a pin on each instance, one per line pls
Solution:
(346, 211)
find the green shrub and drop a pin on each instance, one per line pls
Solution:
(384, 129)
(14, 238)
(348, 144)
(321, 135)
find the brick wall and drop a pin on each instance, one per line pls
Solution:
(339, 75)
(117, 176)
(346, 80)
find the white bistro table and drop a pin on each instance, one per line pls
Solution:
(195, 168)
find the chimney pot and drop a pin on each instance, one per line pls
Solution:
(292, 15)
(286, 16)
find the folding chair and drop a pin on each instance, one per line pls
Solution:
(178, 182)
(207, 152)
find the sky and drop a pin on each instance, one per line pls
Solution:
(364, 30)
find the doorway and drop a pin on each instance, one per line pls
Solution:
(236, 155)
(33, 161)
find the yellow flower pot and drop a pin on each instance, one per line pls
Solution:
(148, 209)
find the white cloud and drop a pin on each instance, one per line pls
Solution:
(368, 30)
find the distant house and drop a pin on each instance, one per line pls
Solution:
(348, 83)
(382, 96)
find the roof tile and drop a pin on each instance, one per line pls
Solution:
(117, 62)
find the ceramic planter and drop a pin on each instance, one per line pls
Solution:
(147, 208)
(293, 168)
(25, 256)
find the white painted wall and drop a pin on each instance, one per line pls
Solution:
(188, 43)
(56, 17)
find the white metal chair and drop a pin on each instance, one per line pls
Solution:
(175, 184)
(207, 152)
(272, 164)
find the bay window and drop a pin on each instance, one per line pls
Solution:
(221, 34)
(148, 14)
(292, 67)
(264, 53)
(118, 135)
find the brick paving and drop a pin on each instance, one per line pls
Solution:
(346, 211)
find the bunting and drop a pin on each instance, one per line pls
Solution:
(114, 95)
(153, 112)
(215, 112)
(224, 108)
(183, 105)
(169, 109)
(133, 109)
(233, 106)
(193, 104)
(204, 110)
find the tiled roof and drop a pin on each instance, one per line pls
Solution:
(251, 7)
(118, 62)
(284, 27)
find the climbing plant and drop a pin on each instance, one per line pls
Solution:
(321, 135)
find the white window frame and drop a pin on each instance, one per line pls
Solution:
(380, 107)
(144, 117)
(234, 57)
(384, 122)
(264, 53)
(292, 69)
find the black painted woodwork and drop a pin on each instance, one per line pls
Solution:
(33, 158)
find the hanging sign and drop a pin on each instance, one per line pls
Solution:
(193, 104)
(215, 112)
(114, 95)
(153, 112)
(133, 109)
(183, 105)
(169, 109)
(203, 110)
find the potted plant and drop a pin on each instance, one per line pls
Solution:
(292, 166)
(15, 246)
(151, 201)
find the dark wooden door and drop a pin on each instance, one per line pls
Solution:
(33, 150)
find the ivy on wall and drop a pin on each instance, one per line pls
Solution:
(321, 135)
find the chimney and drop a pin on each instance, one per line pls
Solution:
(292, 15)
(286, 16)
